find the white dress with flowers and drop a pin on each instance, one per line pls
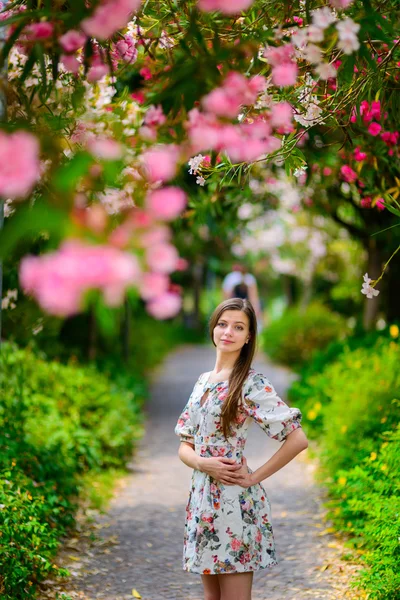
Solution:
(228, 527)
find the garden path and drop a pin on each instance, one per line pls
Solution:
(141, 535)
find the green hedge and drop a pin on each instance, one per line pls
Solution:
(57, 423)
(298, 334)
(352, 406)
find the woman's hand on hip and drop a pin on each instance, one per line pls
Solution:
(221, 469)
(244, 478)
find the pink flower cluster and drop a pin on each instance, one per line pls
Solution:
(246, 141)
(60, 279)
(108, 17)
(228, 7)
(348, 174)
(236, 91)
(243, 142)
(160, 162)
(19, 164)
(284, 67)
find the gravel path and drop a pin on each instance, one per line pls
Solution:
(141, 536)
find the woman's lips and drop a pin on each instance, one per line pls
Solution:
(227, 342)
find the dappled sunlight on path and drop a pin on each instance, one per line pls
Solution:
(143, 530)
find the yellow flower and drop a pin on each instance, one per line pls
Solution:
(393, 346)
(29, 497)
(318, 406)
(373, 456)
(344, 428)
(394, 331)
(349, 524)
(342, 480)
(384, 468)
(384, 419)
(13, 463)
(311, 415)
(384, 444)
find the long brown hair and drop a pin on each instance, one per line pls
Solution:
(243, 363)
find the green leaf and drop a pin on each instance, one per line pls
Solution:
(28, 222)
(67, 177)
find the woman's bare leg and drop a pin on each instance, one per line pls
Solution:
(236, 586)
(211, 587)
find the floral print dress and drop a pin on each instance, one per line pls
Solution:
(228, 527)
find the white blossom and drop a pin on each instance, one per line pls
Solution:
(300, 171)
(323, 17)
(195, 163)
(347, 30)
(325, 71)
(315, 34)
(200, 180)
(367, 288)
(313, 54)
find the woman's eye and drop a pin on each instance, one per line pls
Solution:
(221, 324)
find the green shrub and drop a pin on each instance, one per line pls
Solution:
(294, 338)
(57, 423)
(352, 406)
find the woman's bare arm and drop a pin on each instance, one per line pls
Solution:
(219, 468)
(295, 443)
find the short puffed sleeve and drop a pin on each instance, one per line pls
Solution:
(273, 415)
(185, 428)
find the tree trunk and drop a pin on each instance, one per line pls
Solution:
(374, 266)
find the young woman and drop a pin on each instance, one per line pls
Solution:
(228, 533)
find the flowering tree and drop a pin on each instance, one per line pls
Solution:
(109, 101)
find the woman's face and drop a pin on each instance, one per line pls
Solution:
(231, 331)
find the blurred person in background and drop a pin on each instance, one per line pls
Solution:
(241, 284)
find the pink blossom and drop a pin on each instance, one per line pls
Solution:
(220, 103)
(358, 155)
(126, 49)
(60, 279)
(366, 202)
(390, 138)
(19, 164)
(285, 74)
(145, 73)
(153, 285)
(228, 7)
(166, 203)
(165, 306)
(376, 110)
(160, 163)
(156, 235)
(380, 204)
(348, 174)
(162, 258)
(105, 148)
(374, 128)
(236, 91)
(70, 63)
(154, 116)
(39, 31)
(97, 72)
(326, 171)
(72, 40)
(280, 55)
(281, 116)
(109, 17)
